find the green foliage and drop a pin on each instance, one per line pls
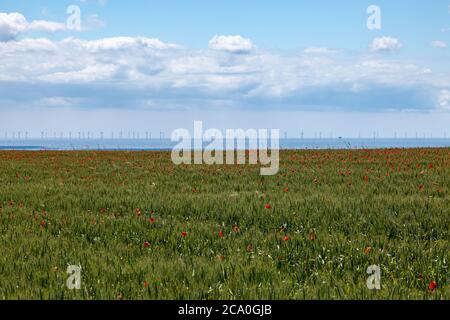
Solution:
(341, 211)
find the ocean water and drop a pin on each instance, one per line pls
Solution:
(166, 144)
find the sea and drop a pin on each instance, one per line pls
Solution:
(166, 144)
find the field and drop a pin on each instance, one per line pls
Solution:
(143, 228)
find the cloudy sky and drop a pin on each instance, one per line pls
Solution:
(158, 65)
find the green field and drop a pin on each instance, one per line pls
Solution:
(142, 228)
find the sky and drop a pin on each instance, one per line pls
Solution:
(299, 66)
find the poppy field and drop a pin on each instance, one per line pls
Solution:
(142, 228)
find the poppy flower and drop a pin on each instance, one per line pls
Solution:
(221, 234)
(151, 220)
(366, 178)
(184, 233)
(286, 189)
(286, 238)
(268, 206)
(146, 244)
(43, 224)
(145, 284)
(432, 286)
(367, 250)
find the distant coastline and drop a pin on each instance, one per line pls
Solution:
(166, 144)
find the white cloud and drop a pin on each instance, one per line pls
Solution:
(444, 100)
(127, 72)
(46, 26)
(386, 44)
(439, 44)
(118, 43)
(232, 44)
(13, 24)
(193, 65)
(92, 73)
(27, 45)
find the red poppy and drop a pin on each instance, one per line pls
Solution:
(432, 286)
(221, 234)
(146, 244)
(366, 178)
(145, 284)
(421, 187)
(286, 189)
(367, 250)
(184, 233)
(268, 206)
(286, 238)
(43, 223)
(151, 220)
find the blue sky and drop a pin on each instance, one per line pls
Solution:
(294, 61)
(284, 24)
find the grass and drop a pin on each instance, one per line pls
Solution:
(142, 228)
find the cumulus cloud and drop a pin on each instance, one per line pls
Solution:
(386, 44)
(131, 72)
(27, 45)
(439, 44)
(232, 44)
(13, 24)
(92, 73)
(119, 43)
